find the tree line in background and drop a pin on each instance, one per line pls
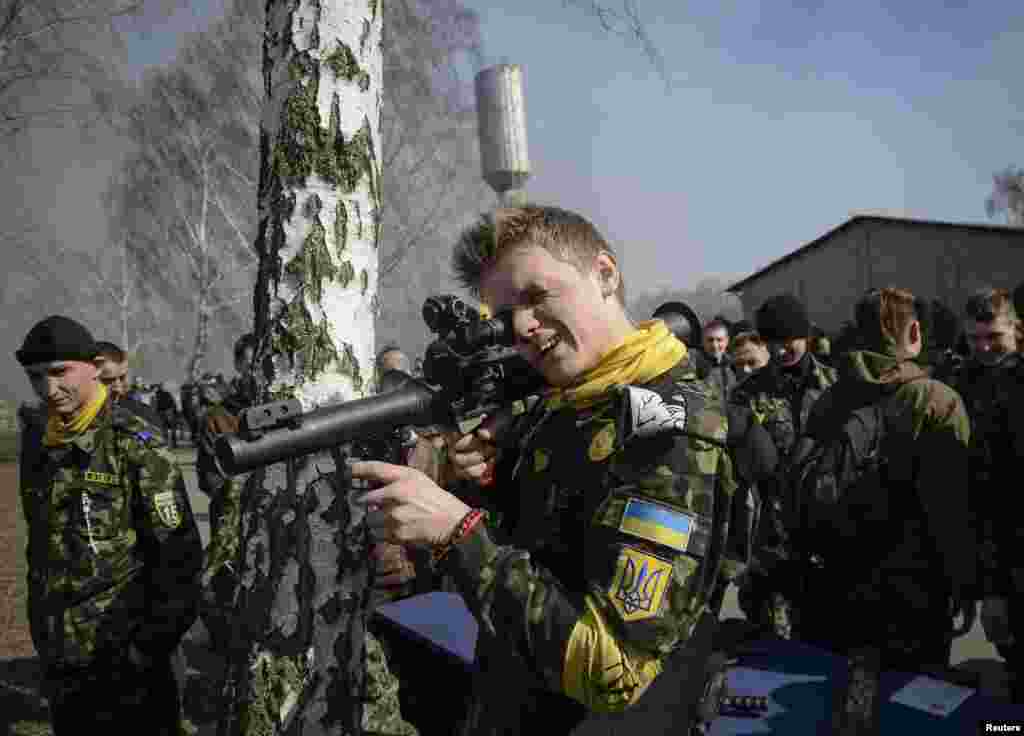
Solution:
(176, 274)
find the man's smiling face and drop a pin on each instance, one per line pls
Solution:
(564, 319)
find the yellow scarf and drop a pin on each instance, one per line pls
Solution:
(59, 432)
(644, 355)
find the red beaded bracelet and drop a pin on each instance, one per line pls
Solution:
(462, 529)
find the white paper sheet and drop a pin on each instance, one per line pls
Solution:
(932, 696)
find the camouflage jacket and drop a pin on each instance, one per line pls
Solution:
(754, 459)
(722, 376)
(782, 403)
(113, 549)
(923, 546)
(616, 514)
(994, 398)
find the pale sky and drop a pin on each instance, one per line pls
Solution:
(784, 116)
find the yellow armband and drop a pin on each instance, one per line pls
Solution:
(599, 672)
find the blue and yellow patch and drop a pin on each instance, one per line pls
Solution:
(658, 524)
(639, 585)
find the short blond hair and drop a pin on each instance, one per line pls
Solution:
(565, 235)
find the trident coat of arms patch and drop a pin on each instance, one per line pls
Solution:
(639, 584)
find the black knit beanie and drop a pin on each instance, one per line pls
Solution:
(57, 338)
(783, 317)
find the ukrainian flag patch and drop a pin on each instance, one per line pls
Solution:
(639, 584)
(657, 524)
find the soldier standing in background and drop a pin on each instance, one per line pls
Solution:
(168, 412)
(113, 550)
(114, 375)
(222, 416)
(885, 513)
(720, 372)
(749, 353)
(781, 396)
(989, 382)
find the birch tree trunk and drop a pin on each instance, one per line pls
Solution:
(298, 656)
(202, 339)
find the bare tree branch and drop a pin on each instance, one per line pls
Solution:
(62, 20)
(626, 23)
(43, 42)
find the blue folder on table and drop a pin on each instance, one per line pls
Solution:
(438, 620)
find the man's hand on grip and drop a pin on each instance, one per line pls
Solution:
(473, 455)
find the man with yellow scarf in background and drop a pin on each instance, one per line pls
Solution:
(615, 491)
(113, 550)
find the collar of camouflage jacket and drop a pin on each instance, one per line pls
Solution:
(59, 432)
(869, 367)
(641, 357)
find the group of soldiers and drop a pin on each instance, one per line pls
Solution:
(593, 533)
(910, 544)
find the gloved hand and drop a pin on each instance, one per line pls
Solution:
(995, 620)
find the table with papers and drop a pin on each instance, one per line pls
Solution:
(797, 680)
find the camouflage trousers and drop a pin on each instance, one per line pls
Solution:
(382, 712)
(275, 677)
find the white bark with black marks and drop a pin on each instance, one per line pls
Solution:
(301, 604)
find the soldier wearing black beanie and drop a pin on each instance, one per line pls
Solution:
(111, 533)
(57, 338)
(782, 318)
(781, 395)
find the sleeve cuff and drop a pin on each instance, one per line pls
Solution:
(466, 560)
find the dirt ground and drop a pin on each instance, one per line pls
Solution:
(14, 638)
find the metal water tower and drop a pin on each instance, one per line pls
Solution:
(501, 116)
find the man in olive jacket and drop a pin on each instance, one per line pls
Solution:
(899, 559)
